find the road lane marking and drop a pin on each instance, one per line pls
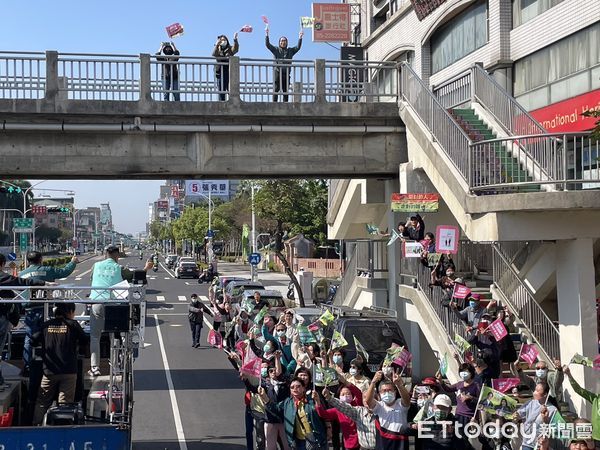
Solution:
(160, 298)
(77, 279)
(174, 405)
(167, 270)
(84, 273)
(182, 298)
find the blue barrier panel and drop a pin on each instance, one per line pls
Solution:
(92, 437)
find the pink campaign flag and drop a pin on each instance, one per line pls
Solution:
(215, 339)
(498, 330)
(252, 367)
(461, 291)
(505, 384)
(597, 363)
(246, 29)
(314, 326)
(174, 30)
(529, 353)
(404, 358)
(265, 19)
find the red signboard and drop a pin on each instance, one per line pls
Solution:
(415, 202)
(162, 204)
(332, 22)
(175, 191)
(566, 116)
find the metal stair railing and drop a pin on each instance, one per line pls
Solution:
(444, 128)
(521, 300)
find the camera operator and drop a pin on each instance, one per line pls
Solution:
(169, 55)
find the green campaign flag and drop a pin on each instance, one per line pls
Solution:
(372, 229)
(325, 376)
(461, 343)
(391, 354)
(555, 420)
(361, 349)
(247, 305)
(583, 360)
(444, 365)
(305, 335)
(495, 402)
(261, 315)
(319, 336)
(326, 318)
(338, 340)
(307, 22)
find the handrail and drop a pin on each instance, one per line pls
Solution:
(449, 134)
(521, 300)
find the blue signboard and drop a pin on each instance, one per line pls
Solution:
(92, 437)
(12, 256)
(210, 234)
(254, 258)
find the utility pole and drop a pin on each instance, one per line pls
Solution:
(253, 266)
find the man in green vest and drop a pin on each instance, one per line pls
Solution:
(34, 312)
(105, 274)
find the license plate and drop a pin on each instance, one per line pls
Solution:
(189, 270)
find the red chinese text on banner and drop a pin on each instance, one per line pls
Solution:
(461, 291)
(505, 384)
(404, 358)
(174, 30)
(529, 353)
(498, 330)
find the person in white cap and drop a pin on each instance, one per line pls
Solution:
(437, 431)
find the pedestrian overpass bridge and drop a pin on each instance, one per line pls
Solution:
(104, 116)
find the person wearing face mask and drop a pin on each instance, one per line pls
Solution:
(290, 326)
(346, 424)
(472, 314)
(554, 379)
(440, 426)
(337, 360)
(533, 413)
(391, 412)
(283, 55)
(286, 359)
(356, 376)
(242, 326)
(277, 391)
(223, 51)
(168, 55)
(467, 394)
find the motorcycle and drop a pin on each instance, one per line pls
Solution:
(207, 276)
(155, 262)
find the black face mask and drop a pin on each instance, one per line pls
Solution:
(168, 50)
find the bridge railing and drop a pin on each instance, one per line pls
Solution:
(22, 75)
(144, 77)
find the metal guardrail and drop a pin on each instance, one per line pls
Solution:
(571, 162)
(446, 131)
(524, 305)
(194, 79)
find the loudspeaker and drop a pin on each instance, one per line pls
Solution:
(139, 277)
(67, 414)
(116, 318)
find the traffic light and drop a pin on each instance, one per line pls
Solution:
(10, 189)
(58, 209)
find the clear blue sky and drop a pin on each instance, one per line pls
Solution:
(136, 26)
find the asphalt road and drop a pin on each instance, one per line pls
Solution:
(185, 398)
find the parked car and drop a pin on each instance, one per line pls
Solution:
(187, 269)
(234, 289)
(307, 315)
(224, 280)
(275, 300)
(170, 261)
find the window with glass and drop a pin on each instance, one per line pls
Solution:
(562, 70)
(464, 34)
(525, 10)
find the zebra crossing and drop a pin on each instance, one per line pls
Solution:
(180, 298)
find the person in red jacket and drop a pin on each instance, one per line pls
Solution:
(353, 396)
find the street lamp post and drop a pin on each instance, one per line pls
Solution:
(253, 266)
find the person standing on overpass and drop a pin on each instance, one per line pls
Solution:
(283, 56)
(105, 274)
(34, 312)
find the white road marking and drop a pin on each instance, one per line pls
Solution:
(77, 279)
(174, 405)
(160, 298)
(167, 278)
(188, 283)
(182, 298)
(204, 299)
(84, 273)
(171, 314)
(167, 270)
(176, 325)
(152, 278)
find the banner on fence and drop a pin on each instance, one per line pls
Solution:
(427, 203)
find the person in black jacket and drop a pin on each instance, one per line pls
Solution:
(10, 309)
(283, 55)
(223, 51)
(415, 228)
(196, 310)
(60, 338)
(168, 55)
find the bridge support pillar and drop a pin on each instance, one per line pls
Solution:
(234, 80)
(145, 91)
(320, 81)
(51, 75)
(577, 312)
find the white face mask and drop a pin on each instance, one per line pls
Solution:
(346, 398)
(420, 402)
(541, 373)
(280, 333)
(388, 398)
(352, 371)
(464, 375)
(337, 359)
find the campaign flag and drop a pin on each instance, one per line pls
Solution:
(261, 315)
(174, 30)
(326, 318)
(529, 353)
(597, 363)
(557, 422)
(372, 229)
(246, 29)
(247, 305)
(461, 291)
(583, 360)
(338, 340)
(314, 326)
(361, 349)
(495, 402)
(505, 384)
(240, 347)
(265, 19)
(444, 365)
(305, 335)
(307, 22)
(319, 336)
(412, 249)
(461, 343)
(325, 376)
(498, 330)
(392, 354)
(215, 339)
(252, 366)
(394, 238)
(404, 358)
(469, 357)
